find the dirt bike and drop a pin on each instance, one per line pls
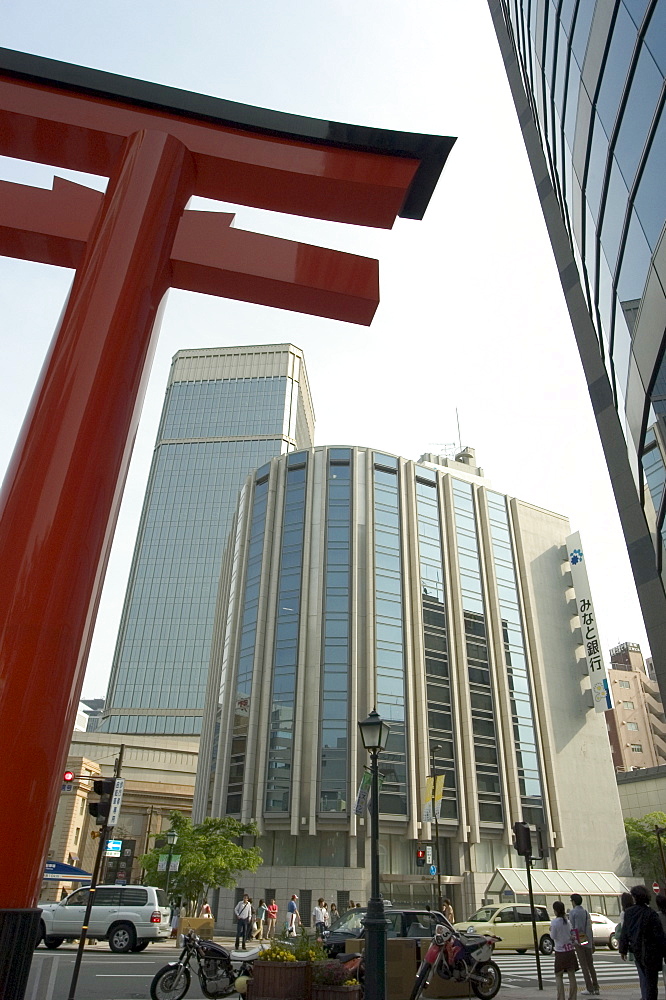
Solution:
(220, 973)
(463, 958)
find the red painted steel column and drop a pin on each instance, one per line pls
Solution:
(60, 498)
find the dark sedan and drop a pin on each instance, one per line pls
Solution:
(401, 923)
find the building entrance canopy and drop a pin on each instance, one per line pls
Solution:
(548, 882)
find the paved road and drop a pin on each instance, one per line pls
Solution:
(520, 970)
(103, 976)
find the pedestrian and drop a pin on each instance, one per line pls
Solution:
(205, 910)
(643, 934)
(327, 916)
(626, 900)
(271, 912)
(252, 928)
(565, 954)
(352, 904)
(447, 910)
(581, 925)
(661, 913)
(333, 915)
(261, 917)
(175, 919)
(293, 916)
(243, 914)
(319, 917)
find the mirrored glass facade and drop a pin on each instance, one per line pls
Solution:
(589, 91)
(357, 580)
(226, 412)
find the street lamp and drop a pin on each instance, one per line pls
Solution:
(374, 734)
(433, 774)
(172, 838)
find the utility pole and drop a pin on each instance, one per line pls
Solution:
(116, 774)
(433, 774)
(100, 809)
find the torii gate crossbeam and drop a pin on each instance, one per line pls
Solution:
(61, 495)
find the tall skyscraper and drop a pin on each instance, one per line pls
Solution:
(227, 411)
(358, 579)
(587, 79)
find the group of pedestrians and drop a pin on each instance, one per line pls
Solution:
(641, 935)
(254, 924)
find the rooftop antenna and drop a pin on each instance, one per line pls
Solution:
(459, 438)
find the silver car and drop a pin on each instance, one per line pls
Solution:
(129, 917)
(603, 931)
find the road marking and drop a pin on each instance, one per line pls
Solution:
(121, 975)
(33, 995)
(52, 979)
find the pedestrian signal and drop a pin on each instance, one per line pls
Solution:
(420, 857)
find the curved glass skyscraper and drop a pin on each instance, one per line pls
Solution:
(587, 77)
(357, 579)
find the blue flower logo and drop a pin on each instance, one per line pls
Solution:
(576, 557)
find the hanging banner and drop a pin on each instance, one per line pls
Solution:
(439, 792)
(434, 790)
(588, 626)
(427, 801)
(363, 794)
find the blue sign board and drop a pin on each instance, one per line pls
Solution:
(433, 869)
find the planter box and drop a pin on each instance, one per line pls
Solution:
(280, 981)
(336, 992)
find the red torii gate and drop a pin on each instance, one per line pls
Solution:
(59, 502)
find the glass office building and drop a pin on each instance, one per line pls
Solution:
(226, 412)
(587, 78)
(358, 579)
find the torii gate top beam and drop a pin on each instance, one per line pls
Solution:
(75, 117)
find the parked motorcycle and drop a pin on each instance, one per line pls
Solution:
(219, 973)
(464, 958)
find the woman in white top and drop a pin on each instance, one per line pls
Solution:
(565, 956)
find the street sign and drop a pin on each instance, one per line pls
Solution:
(114, 811)
(433, 869)
(428, 855)
(655, 887)
(113, 848)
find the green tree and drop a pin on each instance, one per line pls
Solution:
(211, 856)
(644, 848)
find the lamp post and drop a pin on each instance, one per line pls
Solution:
(433, 774)
(172, 838)
(374, 734)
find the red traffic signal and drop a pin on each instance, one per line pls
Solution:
(420, 857)
(68, 777)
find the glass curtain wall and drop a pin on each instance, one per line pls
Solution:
(247, 646)
(389, 648)
(478, 666)
(285, 654)
(435, 637)
(522, 712)
(333, 780)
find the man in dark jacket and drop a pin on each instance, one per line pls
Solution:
(643, 935)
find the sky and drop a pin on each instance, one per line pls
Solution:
(472, 328)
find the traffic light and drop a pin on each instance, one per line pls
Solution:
(68, 777)
(420, 857)
(103, 787)
(522, 839)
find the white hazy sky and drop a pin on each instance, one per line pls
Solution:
(472, 315)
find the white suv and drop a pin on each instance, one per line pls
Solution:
(129, 917)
